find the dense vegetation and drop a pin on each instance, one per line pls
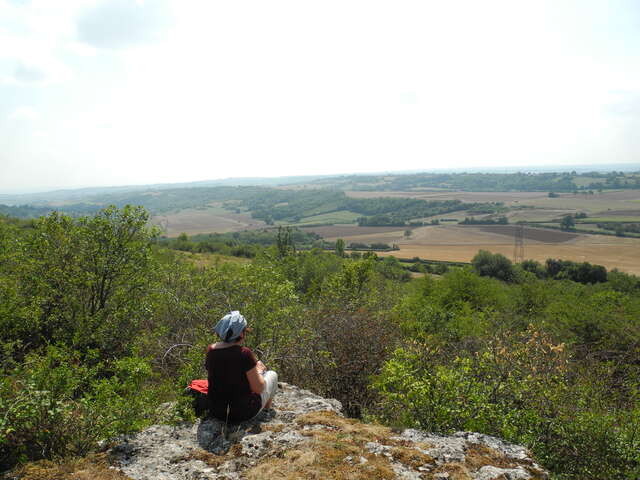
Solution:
(501, 220)
(477, 182)
(621, 228)
(28, 211)
(519, 351)
(616, 180)
(248, 243)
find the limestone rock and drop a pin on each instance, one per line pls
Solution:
(306, 436)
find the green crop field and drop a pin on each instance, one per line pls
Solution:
(343, 216)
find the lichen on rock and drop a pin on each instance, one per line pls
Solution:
(306, 436)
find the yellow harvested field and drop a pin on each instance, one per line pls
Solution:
(625, 258)
(460, 243)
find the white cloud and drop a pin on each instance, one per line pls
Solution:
(205, 89)
(29, 49)
(116, 24)
(36, 71)
(625, 103)
(24, 114)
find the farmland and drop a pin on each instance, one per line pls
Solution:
(460, 243)
(536, 206)
(454, 242)
(623, 256)
(464, 212)
(208, 220)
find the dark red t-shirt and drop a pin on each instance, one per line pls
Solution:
(228, 384)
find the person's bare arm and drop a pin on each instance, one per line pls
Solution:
(256, 381)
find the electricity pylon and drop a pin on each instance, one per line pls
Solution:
(518, 248)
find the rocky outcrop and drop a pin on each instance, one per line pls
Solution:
(305, 436)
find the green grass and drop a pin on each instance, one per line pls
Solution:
(342, 216)
(211, 259)
(585, 181)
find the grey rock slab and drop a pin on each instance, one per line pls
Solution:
(489, 472)
(517, 452)
(164, 452)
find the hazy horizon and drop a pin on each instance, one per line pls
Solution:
(625, 167)
(131, 92)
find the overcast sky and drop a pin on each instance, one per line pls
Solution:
(112, 92)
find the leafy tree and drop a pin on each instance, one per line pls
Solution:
(533, 267)
(339, 249)
(284, 242)
(567, 222)
(493, 265)
(84, 281)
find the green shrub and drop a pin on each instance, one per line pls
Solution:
(56, 404)
(519, 387)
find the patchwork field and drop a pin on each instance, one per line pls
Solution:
(621, 203)
(460, 243)
(624, 257)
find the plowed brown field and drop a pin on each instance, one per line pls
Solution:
(545, 235)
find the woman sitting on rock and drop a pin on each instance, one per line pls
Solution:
(239, 384)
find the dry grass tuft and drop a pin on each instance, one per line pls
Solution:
(535, 473)
(456, 471)
(93, 467)
(278, 427)
(323, 458)
(477, 456)
(361, 432)
(411, 457)
(207, 457)
(212, 459)
(337, 452)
